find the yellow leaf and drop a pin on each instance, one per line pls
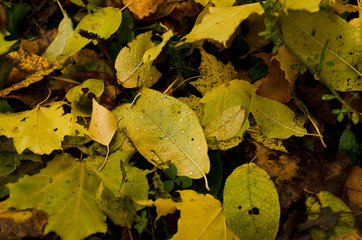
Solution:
(4, 44)
(103, 124)
(308, 5)
(41, 130)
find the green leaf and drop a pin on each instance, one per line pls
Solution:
(4, 44)
(275, 119)
(210, 24)
(171, 172)
(347, 141)
(164, 129)
(104, 22)
(213, 73)
(78, 96)
(183, 181)
(65, 32)
(169, 185)
(345, 223)
(307, 33)
(41, 129)
(10, 161)
(251, 203)
(66, 191)
(134, 63)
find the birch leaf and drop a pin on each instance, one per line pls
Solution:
(103, 22)
(307, 33)
(210, 25)
(66, 191)
(164, 129)
(65, 32)
(78, 96)
(226, 124)
(276, 119)
(103, 124)
(41, 129)
(251, 203)
(213, 72)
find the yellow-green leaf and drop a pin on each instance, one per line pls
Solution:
(226, 124)
(164, 129)
(65, 32)
(213, 73)
(308, 33)
(344, 224)
(78, 96)
(41, 129)
(4, 44)
(66, 191)
(103, 22)
(276, 119)
(251, 203)
(210, 25)
(308, 5)
(103, 124)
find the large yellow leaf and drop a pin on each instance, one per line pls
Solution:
(308, 5)
(201, 216)
(41, 129)
(164, 129)
(210, 25)
(251, 203)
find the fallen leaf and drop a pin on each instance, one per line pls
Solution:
(308, 5)
(41, 129)
(81, 96)
(275, 119)
(274, 85)
(28, 62)
(213, 73)
(340, 7)
(307, 33)
(143, 8)
(10, 161)
(251, 203)
(164, 129)
(194, 103)
(210, 23)
(103, 124)
(4, 44)
(354, 185)
(271, 143)
(21, 224)
(286, 60)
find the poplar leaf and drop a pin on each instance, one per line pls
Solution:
(226, 124)
(103, 22)
(65, 32)
(103, 124)
(276, 119)
(210, 24)
(134, 63)
(251, 203)
(66, 191)
(78, 96)
(41, 129)
(345, 222)
(213, 72)
(164, 129)
(201, 216)
(307, 33)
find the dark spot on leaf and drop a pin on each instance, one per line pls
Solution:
(239, 207)
(85, 90)
(254, 211)
(55, 129)
(192, 139)
(179, 112)
(50, 180)
(22, 120)
(91, 95)
(161, 138)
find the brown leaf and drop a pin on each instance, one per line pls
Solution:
(3, 19)
(287, 60)
(27, 223)
(354, 185)
(150, 10)
(274, 85)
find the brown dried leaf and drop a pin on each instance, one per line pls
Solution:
(144, 8)
(286, 60)
(354, 185)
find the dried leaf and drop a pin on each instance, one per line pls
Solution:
(286, 61)
(354, 185)
(143, 8)
(103, 124)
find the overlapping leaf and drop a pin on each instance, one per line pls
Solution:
(164, 129)
(251, 203)
(308, 33)
(210, 25)
(308, 5)
(4, 44)
(41, 129)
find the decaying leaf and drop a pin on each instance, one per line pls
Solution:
(275, 119)
(41, 129)
(164, 129)
(75, 214)
(81, 96)
(210, 25)
(194, 103)
(271, 143)
(287, 61)
(213, 73)
(143, 8)
(354, 185)
(308, 33)
(251, 203)
(345, 223)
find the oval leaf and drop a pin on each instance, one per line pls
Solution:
(164, 129)
(251, 203)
